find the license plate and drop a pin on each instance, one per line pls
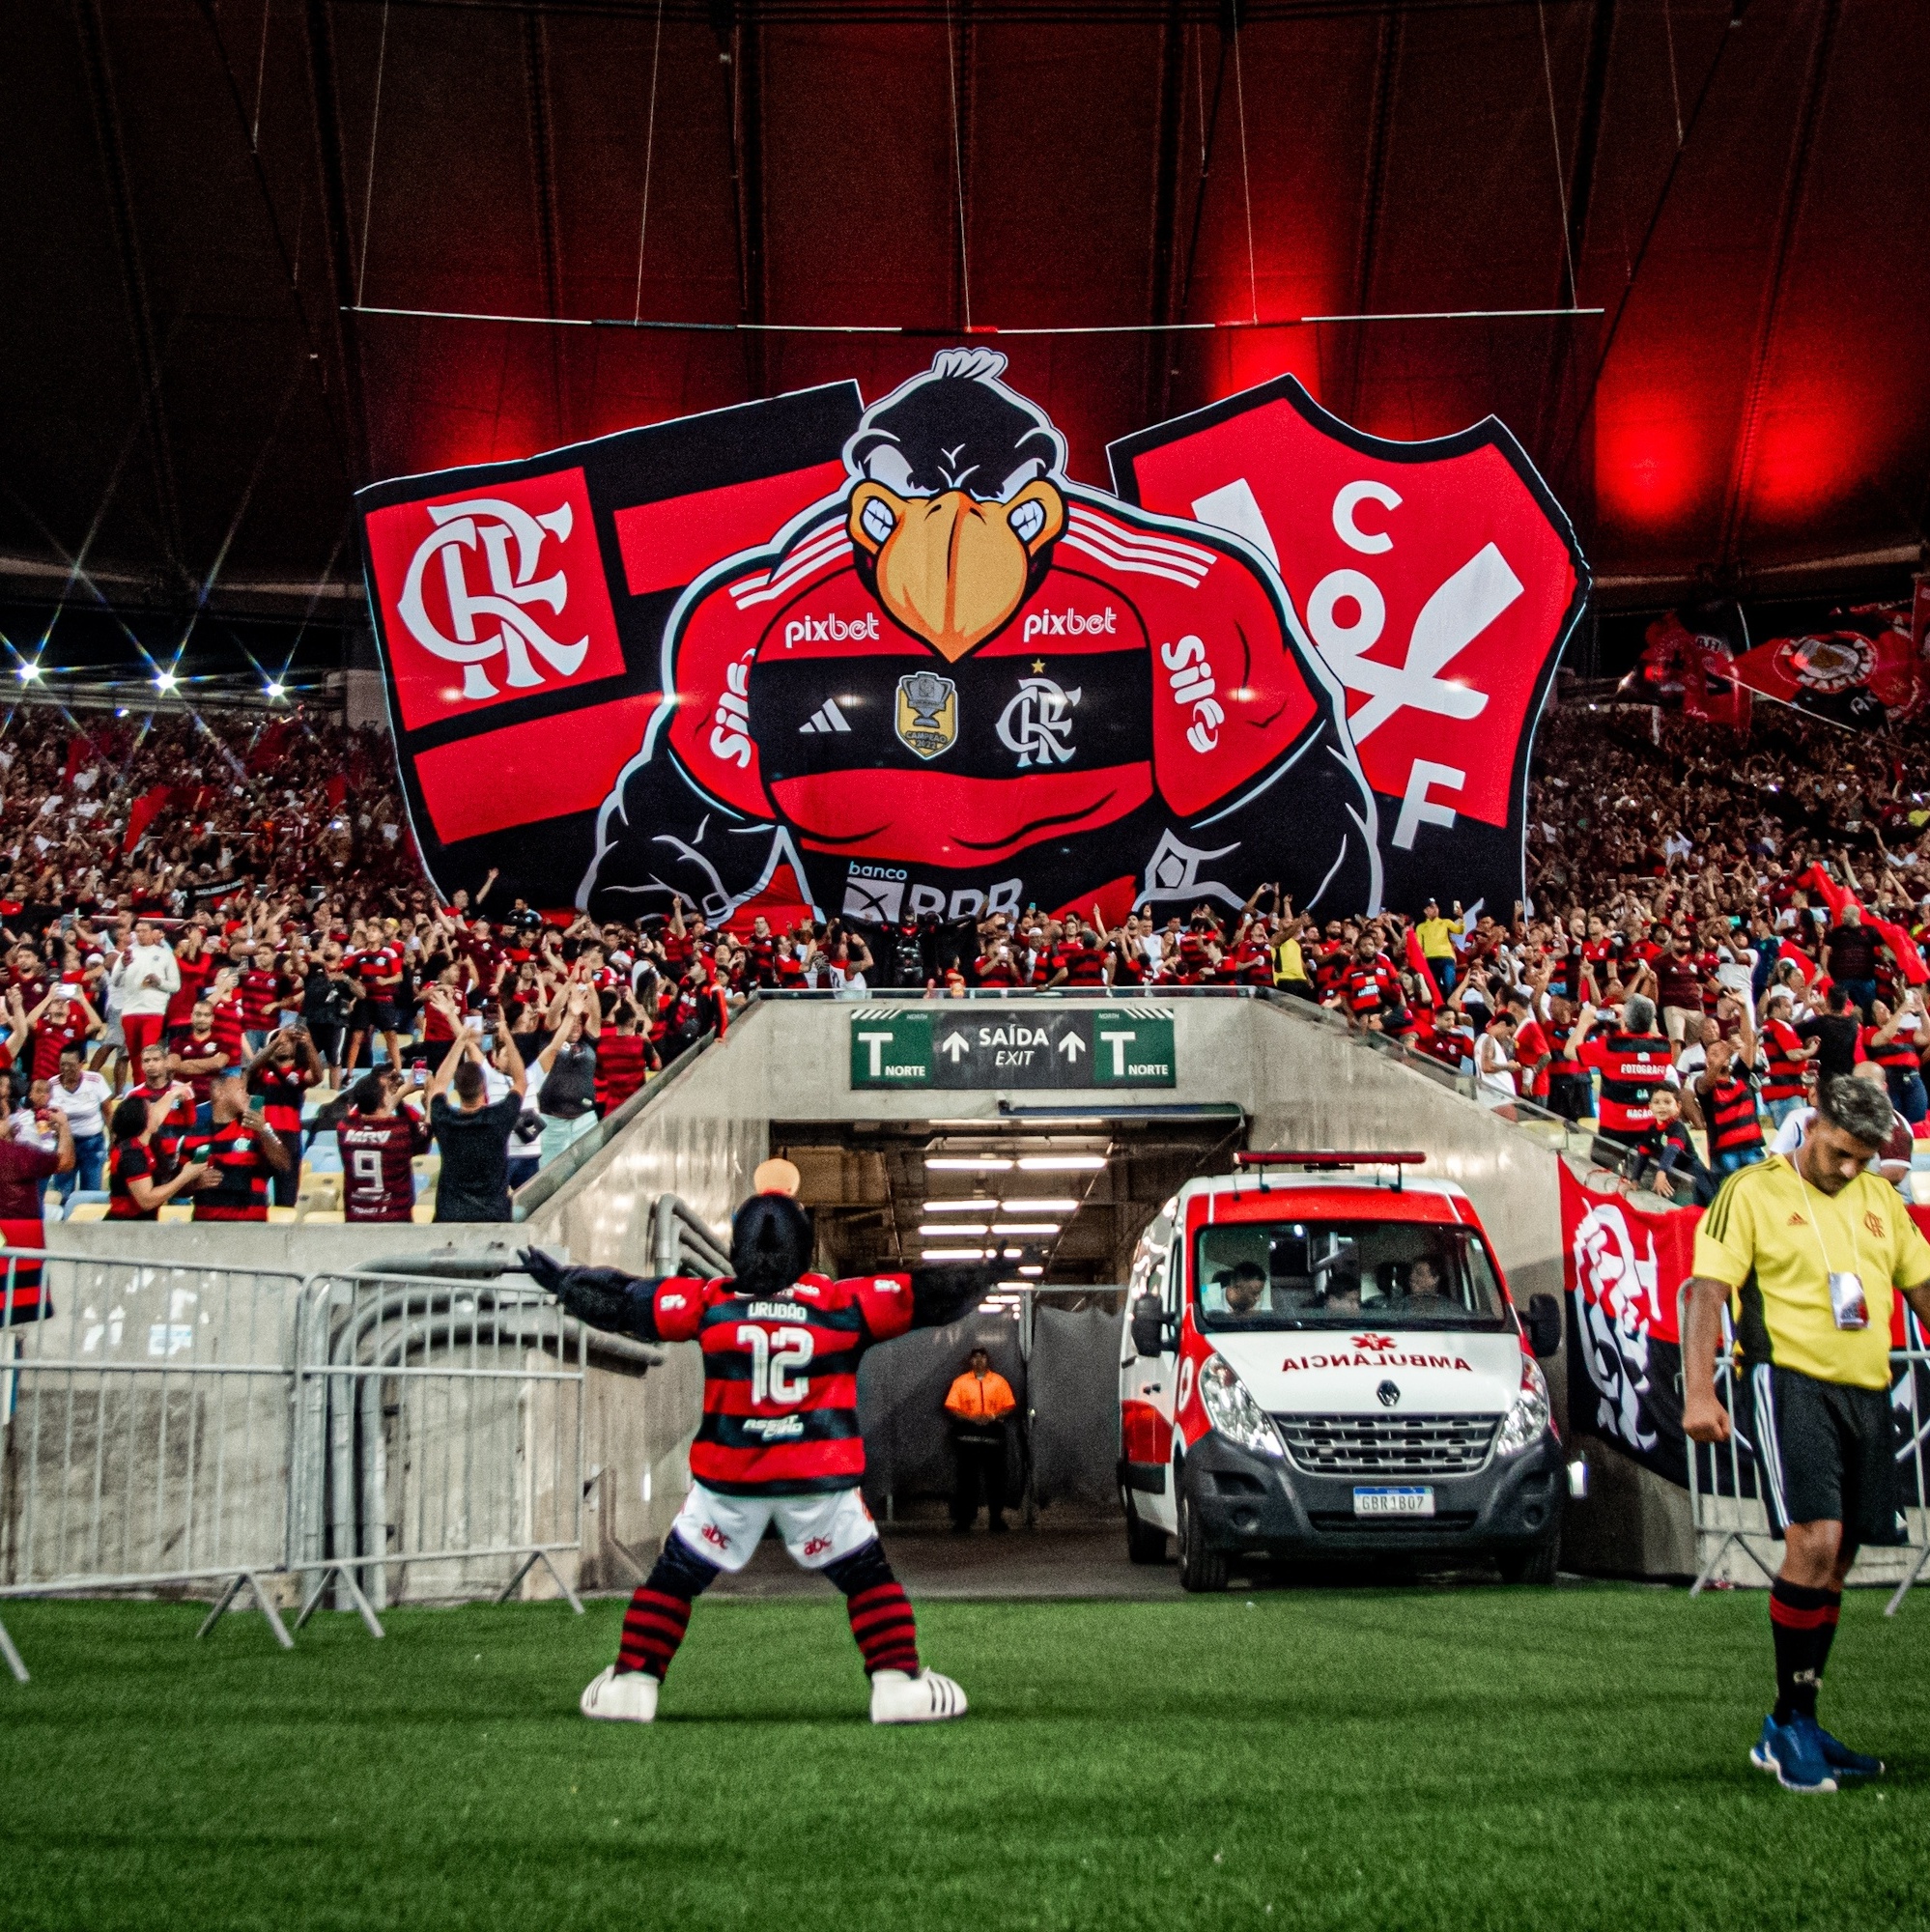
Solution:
(1414, 1501)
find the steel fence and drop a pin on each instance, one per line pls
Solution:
(437, 1438)
(144, 1429)
(1725, 1503)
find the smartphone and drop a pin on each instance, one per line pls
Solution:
(420, 1076)
(473, 1021)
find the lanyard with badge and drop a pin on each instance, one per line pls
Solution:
(1849, 1307)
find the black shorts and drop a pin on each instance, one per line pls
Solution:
(1826, 1452)
(382, 1015)
(1571, 1095)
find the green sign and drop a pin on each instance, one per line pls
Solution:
(986, 1044)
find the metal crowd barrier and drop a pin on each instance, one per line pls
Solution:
(144, 1430)
(416, 1435)
(437, 1429)
(1726, 1507)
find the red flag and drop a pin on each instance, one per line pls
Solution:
(1418, 960)
(1902, 948)
(338, 790)
(142, 813)
(269, 746)
(1807, 966)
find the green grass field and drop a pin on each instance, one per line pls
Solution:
(1451, 1757)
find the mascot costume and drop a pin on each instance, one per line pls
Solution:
(779, 1442)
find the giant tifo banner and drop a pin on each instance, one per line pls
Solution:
(1625, 1267)
(892, 664)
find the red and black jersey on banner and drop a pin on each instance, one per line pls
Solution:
(896, 666)
(780, 1376)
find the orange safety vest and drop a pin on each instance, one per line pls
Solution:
(979, 1398)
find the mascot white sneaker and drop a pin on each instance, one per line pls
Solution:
(778, 1445)
(630, 1698)
(924, 1699)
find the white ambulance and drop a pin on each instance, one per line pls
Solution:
(1322, 1359)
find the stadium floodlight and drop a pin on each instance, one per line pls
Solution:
(953, 1254)
(1064, 1205)
(975, 1163)
(165, 680)
(1034, 1271)
(28, 673)
(1025, 1227)
(1062, 1163)
(940, 1229)
(978, 1205)
(1013, 1287)
(276, 689)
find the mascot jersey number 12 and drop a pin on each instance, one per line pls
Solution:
(778, 1444)
(965, 684)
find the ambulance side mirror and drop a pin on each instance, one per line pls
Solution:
(1544, 1324)
(1149, 1326)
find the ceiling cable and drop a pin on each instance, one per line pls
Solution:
(374, 124)
(958, 171)
(649, 152)
(1246, 178)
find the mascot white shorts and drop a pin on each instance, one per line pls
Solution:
(818, 1529)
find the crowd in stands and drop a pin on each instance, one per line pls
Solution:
(212, 923)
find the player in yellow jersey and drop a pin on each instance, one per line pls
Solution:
(1809, 1252)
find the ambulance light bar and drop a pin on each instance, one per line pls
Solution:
(1327, 1157)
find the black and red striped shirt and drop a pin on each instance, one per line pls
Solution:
(1733, 1121)
(1780, 1040)
(622, 1066)
(1632, 1067)
(129, 1162)
(235, 1153)
(781, 1375)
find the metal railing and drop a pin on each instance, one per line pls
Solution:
(144, 1430)
(171, 1427)
(1725, 1502)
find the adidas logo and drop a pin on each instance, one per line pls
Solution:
(826, 717)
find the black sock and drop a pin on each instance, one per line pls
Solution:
(1803, 1621)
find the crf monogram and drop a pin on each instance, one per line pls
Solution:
(495, 621)
(1037, 722)
(774, 1354)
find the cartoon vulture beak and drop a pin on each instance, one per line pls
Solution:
(952, 569)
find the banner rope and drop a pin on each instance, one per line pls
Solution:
(972, 328)
(958, 171)
(649, 152)
(1246, 178)
(1554, 133)
(374, 124)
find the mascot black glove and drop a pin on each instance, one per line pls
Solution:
(942, 1294)
(599, 1298)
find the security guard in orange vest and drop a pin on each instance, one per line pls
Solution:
(977, 1403)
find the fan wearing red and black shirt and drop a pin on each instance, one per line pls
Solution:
(780, 1441)
(378, 967)
(262, 989)
(175, 1101)
(64, 1018)
(1080, 961)
(138, 1187)
(241, 1152)
(1632, 1061)
(196, 965)
(196, 1056)
(279, 1077)
(380, 1141)
(623, 1058)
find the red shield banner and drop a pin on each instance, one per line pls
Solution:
(1439, 581)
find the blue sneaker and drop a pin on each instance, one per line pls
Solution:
(1794, 1753)
(1838, 1756)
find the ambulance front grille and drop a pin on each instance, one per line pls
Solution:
(1388, 1445)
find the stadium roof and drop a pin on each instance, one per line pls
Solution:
(223, 223)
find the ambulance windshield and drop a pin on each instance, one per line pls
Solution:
(1329, 1274)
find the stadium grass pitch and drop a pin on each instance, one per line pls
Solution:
(1413, 1758)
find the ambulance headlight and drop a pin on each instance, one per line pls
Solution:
(1524, 1424)
(1234, 1413)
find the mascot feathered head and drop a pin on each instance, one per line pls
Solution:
(770, 1244)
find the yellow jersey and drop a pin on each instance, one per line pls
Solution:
(1436, 937)
(1287, 963)
(1773, 1240)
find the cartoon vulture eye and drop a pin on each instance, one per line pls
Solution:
(878, 519)
(1028, 519)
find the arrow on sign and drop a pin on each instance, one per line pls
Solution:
(1073, 1046)
(956, 1045)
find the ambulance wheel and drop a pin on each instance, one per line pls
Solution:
(1146, 1542)
(1201, 1569)
(1534, 1567)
